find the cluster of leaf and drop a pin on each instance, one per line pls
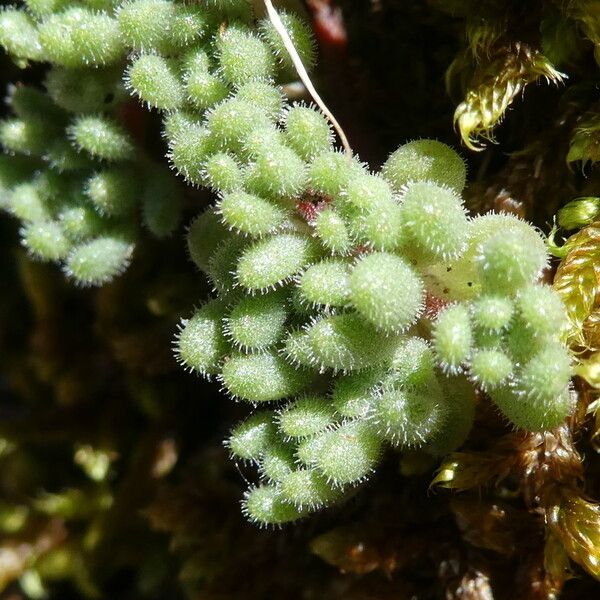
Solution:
(76, 175)
(322, 291)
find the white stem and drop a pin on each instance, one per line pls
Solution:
(302, 73)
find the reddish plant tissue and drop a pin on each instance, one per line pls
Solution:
(310, 207)
(433, 306)
(328, 23)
